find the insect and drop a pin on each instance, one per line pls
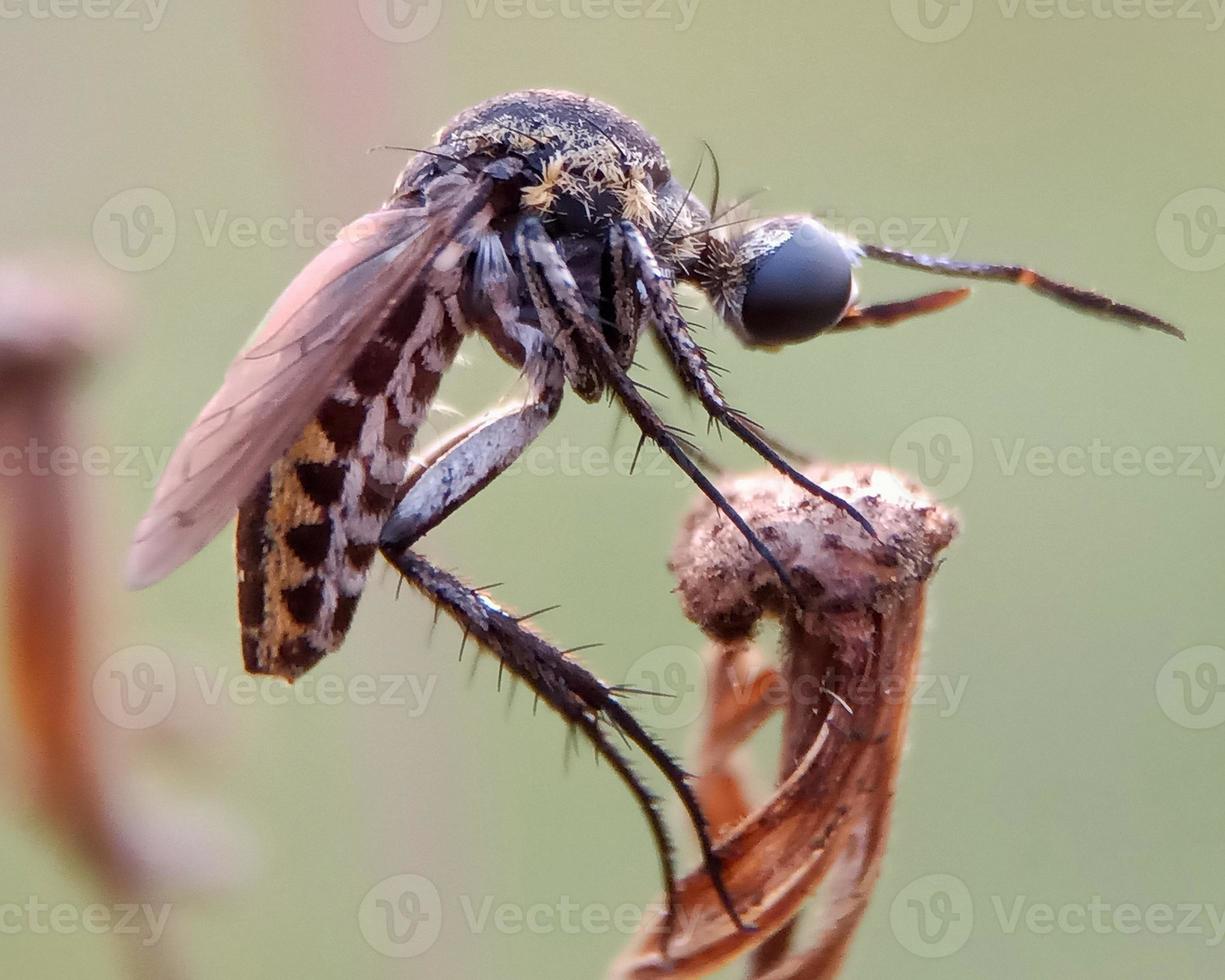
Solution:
(551, 225)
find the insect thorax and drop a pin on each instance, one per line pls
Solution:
(585, 165)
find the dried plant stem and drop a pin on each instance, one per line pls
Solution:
(845, 680)
(48, 332)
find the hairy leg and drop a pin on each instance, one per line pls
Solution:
(692, 367)
(462, 465)
(553, 288)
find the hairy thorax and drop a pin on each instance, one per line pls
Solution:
(585, 165)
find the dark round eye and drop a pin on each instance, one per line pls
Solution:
(798, 289)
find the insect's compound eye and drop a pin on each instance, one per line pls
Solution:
(797, 288)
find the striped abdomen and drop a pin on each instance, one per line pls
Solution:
(309, 532)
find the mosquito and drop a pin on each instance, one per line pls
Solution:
(550, 224)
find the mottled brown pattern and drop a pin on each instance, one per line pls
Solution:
(373, 369)
(342, 424)
(297, 656)
(360, 555)
(346, 606)
(310, 542)
(250, 547)
(304, 601)
(376, 495)
(308, 536)
(322, 482)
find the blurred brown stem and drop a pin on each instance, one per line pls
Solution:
(48, 331)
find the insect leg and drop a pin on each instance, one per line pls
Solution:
(887, 314)
(789, 453)
(551, 284)
(1062, 292)
(469, 461)
(463, 465)
(554, 287)
(571, 690)
(694, 371)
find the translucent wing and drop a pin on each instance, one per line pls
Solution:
(306, 343)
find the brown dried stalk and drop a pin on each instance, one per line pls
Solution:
(52, 324)
(845, 681)
(45, 339)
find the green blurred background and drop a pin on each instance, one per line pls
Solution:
(1074, 765)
